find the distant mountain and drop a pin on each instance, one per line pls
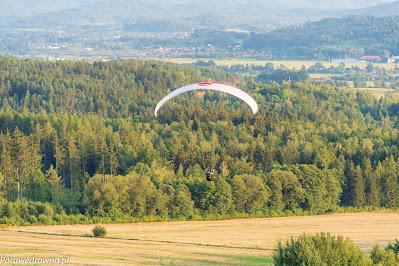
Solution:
(341, 4)
(351, 36)
(257, 15)
(380, 10)
(23, 8)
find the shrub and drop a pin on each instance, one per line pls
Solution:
(99, 231)
(16, 220)
(58, 209)
(4, 220)
(32, 209)
(106, 220)
(319, 249)
(96, 219)
(32, 219)
(21, 206)
(60, 219)
(11, 211)
(73, 219)
(383, 256)
(43, 219)
(393, 246)
(48, 210)
(40, 207)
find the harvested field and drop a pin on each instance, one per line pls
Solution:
(290, 64)
(237, 241)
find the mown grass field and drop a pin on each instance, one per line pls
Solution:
(289, 64)
(227, 242)
(378, 92)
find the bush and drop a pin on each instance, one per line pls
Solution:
(43, 219)
(4, 220)
(393, 246)
(32, 209)
(60, 219)
(40, 207)
(99, 231)
(383, 256)
(32, 219)
(11, 211)
(48, 210)
(319, 249)
(16, 220)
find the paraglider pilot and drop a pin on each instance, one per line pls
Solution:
(209, 175)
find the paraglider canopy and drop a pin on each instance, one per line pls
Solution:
(211, 86)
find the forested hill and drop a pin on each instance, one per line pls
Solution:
(351, 36)
(114, 89)
(84, 136)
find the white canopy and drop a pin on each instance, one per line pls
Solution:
(211, 86)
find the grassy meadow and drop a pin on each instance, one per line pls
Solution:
(227, 242)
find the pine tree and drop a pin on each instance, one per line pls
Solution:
(102, 152)
(48, 132)
(73, 160)
(6, 164)
(83, 152)
(2, 191)
(256, 196)
(391, 183)
(239, 192)
(367, 172)
(20, 159)
(59, 153)
(163, 150)
(276, 195)
(180, 172)
(35, 156)
(223, 199)
(224, 169)
(347, 195)
(359, 197)
(54, 180)
(215, 147)
(371, 188)
(113, 159)
(183, 205)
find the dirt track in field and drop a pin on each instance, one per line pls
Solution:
(237, 241)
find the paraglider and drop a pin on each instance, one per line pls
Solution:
(209, 174)
(211, 86)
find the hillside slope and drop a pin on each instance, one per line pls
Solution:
(351, 36)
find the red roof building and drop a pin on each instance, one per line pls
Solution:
(370, 57)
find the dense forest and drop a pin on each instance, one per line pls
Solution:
(351, 36)
(80, 140)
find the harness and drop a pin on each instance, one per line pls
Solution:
(209, 176)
